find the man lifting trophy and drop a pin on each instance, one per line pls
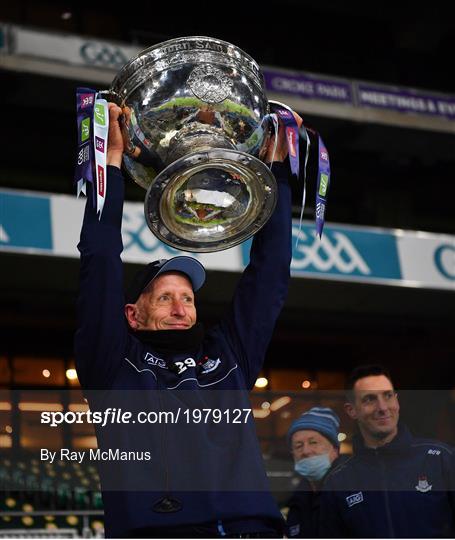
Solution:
(189, 122)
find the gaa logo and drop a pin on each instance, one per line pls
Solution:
(320, 210)
(334, 253)
(137, 237)
(102, 54)
(83, 155)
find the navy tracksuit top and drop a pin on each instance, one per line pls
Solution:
(400, 490)
(215, 472)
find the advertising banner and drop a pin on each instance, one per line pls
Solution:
(362, 254)
(71, 49)
(356, 96)
(308, 86)
(405, 100)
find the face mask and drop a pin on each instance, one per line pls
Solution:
(313, 468)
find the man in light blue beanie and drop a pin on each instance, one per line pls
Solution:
(313, 438)
(320, 419)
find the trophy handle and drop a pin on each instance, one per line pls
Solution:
(124, 119)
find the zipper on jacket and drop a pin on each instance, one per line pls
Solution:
(386, 495)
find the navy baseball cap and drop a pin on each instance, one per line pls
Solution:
(187, 265)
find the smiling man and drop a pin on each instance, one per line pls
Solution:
(373, 403)
(161, 297)
(395, 485)
(206, 475)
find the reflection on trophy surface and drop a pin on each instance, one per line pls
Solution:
(195, 131)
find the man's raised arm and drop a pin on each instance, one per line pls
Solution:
(101, 338)
(263, 287)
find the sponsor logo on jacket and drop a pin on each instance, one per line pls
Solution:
(355, 498)
(154, 361)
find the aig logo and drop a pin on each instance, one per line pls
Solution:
(155, 361)
(354, 499)
(334, 252)
(101, 54)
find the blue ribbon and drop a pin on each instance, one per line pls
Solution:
(85, 102)
(322, 185)
(292, 138)
(293, 134)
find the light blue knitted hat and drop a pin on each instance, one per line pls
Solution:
(320, 419)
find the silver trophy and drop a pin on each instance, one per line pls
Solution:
(195, 128)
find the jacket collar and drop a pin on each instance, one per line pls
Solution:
(171, 342)
(399, 444)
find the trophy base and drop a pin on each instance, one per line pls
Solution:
(210, 200)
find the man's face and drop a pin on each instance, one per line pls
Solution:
(375, 407)
(167, 305)
(307, 443)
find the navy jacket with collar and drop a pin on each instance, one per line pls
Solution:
(302, 520)
(403, 489)
(302, 516)
(214, 471)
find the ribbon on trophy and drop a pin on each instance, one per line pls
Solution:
(100, 131)
(323, 183)
(288, 120)
(92, 129)
(284, 115)
(85, 103)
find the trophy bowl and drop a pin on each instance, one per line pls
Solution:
(195, 127)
